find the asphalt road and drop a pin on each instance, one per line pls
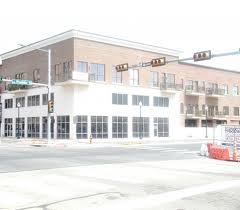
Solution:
(26, 158)
(140, 176)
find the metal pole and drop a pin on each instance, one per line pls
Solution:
(140, 122)
(49, 93)
(18, 135)
(206, 124)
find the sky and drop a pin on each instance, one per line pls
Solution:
(186, 25)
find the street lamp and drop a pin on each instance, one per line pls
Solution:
(18, 120)
(140, 124)
(206, 112)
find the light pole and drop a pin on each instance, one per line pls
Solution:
(18, 119)
(206, 112)
(140, 124)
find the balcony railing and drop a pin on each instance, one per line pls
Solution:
(201, 113)
(215, 91)
(74, 75)
(194, 90)
(171, 86)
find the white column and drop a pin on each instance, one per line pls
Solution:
(110, 127)
(72, 127)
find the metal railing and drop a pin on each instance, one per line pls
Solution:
(215, 91)
(193, 89)
(171, 86)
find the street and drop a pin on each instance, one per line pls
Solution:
(138, 176)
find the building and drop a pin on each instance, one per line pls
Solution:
(91, 98)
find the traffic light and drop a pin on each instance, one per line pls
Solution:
(1, 79)
(158, 62)
(50, 106)
(200, 56)
(122, 67)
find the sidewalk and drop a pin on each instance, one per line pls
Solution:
(95, 142)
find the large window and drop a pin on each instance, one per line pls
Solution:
(119, 127)
(226, 110)
(236, 111)
(154, 79)
(98, 70)
(136, 100)
(120, 99)
(63, 127)
(134, 77)
(168, 78)
(116, 76)
(22, 75)
(20, 100)
(34, 100)
(161, 127)
(8, 103)
(33, 127)
(58, 72)
(45, 98)
(99, 127)
(82, 66)
(20, 127)
(45, 127)
(8, 126)
(82, 127)
(235, 90)
(140, 127)
(160, 101)
(67, 66)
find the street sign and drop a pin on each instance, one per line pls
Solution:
(146, 64)
(21, 82)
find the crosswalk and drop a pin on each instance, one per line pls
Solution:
(163, 149)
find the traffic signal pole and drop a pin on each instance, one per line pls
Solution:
(49, 94)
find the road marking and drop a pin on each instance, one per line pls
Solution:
(155, 200)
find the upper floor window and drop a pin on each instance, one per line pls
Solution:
(67, 66)
(154, 79)
(20, 100)
(120, 99)
(235, 90)
(34, 100)
(160, 101)
(57, 72)
(236, 111)
(82, 66)
(22, 75)
(136, 100)
(36, 75)
(226, 110)
(225, 89)
(98, 70)
(116, 76)
(134, 76)
(168, 78)
(8, 103)
(45, 98)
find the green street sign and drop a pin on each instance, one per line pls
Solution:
(21, 82)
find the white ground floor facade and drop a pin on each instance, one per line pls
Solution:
(99, 110)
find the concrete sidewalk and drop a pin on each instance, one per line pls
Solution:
(95, 143)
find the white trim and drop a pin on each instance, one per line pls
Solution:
(92, 37)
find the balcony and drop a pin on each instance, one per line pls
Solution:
(215, 92)
(217, 115)
(191, 114)
(73, 78)
(171, 87)
(194, 91)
